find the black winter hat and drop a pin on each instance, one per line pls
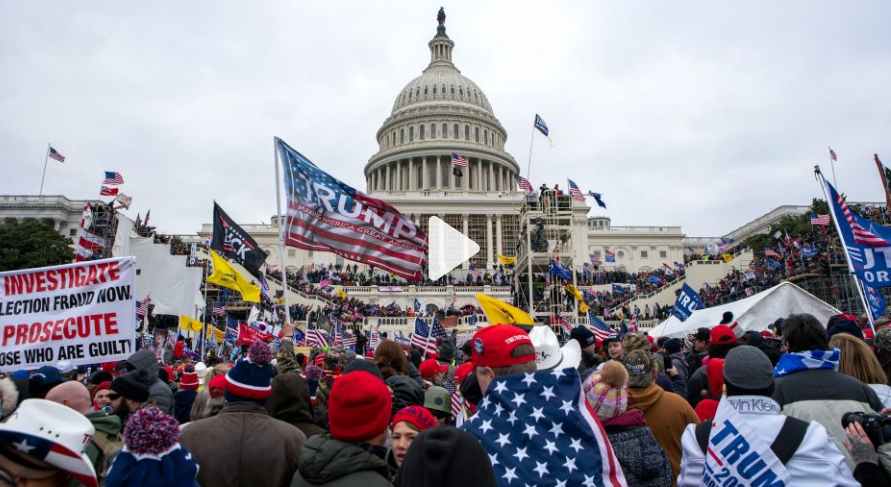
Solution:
(582, 335)
(365, 365)
(446, 457)
(133, 385)
(672, 346)
(727, 318)
(100, 377)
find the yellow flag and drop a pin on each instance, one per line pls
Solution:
(216, 334)
(506, 260)
(583, 307)
(500, 313)
(189, 324)
(727, 258)
(341, 293)
(226, 276)
(574, 291)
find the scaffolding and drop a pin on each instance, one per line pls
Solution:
(98, 231)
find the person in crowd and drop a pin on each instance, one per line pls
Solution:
(643, 461)
(510, 352)
(101, 399)
(674, 349)
(185, 396)
(613, 346)
(858, 361)
(808, 385)
(42, 380)
(808, 453)
(588, 343)
(407, 424)
(130, 392)
(666, 413)
(390, 358)
(721, 341)
(30, 439)
(700, 342)
(290, 402)
(863, 454)
(446, 456)
(669, 380)
(439, 402)
(180, 348)
(152, 455)
(353, 453)
(243, 445)
(106, 442)
(209, 401)
(433, 372)
(9, 395)
(160, 394)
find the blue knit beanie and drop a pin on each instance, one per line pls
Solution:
(250, 378)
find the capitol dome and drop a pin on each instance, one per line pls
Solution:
(439, 113)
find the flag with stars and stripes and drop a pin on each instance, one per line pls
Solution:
(264, 287)
(315, 338)
(856, 223)
(142, 307)
(459, 160)
(218, 310)
(575, 192)
(567, 326)
(538, 429)
(349, 340)
(113, 177)
(54, 154)
(421, 337)
(599, 327)
(819, 220)
(325, 214)
(438, 331)
(832, 155)
(524, 184)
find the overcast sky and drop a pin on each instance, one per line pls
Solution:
(700, 114)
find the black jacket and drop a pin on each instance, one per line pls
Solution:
(326, 462)
(290, 403)
(445, 456)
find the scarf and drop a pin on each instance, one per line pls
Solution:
(810, 360)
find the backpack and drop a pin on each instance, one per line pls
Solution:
(784, 445)
(107, 448)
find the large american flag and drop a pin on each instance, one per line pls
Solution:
(349, 340)
(325, 214)
(861, 235)
(524, 183)
(438, 331)
(575, 192)
(599, 327)
(538, 429)
(315, 338)
(820, 220)
(421, 337)
(459, 160)
(89, 245)
(53, 153)
(113, 177)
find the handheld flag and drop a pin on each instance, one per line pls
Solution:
(601, 330)
(524, 184)
(421, 337)
(688, 301)
(610, 256)
(506, 260)
(832, 155)
(231, 241)
(885, 174)
(541, 126)
(598, 198)
(819, 220)
(225, 275)
(113, 178)
(500, 313)
(727, 258)
(876, 302)
(328, 215)
(124, 200)
(575, 192)
(106, 191)
(189, 324)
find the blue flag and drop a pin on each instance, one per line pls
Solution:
(867, 243)
(619, 289)
(688, 301)
(541, 125)
(598, 198)
(655, 280)
(774, 264)
(559, 270)
(809, 252)
(876, 302)
(417, 305)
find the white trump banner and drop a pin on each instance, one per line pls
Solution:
(84, 313)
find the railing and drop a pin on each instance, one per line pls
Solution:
(309, 297)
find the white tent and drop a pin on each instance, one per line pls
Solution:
(753, 313)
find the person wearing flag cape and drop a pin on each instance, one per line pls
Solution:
(750, 443)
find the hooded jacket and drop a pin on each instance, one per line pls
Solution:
(159, 391)
(816, 462)
(643, 461)
(183, 402)
(290, 403)
(667, 414)
(326, 462)
(406, 392)
(105, 443)
(445, 456)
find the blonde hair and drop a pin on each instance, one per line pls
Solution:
(857, 360)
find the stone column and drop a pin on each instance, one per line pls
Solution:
(412, 183)
(479, 174)
(489, 255)
(464, 230)
(387, 181)
(425, 180)
(491, 177)
(439, 173)
(500, 178)
(498, 248)
(398, 165)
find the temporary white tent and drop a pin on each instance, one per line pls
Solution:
(753, 313)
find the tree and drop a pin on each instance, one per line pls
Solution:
(32, 244)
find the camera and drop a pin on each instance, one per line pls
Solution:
(876, 426)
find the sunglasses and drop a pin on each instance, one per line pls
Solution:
(113, 395)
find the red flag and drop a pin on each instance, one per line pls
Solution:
(106, 191)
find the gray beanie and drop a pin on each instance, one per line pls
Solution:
(748, 368)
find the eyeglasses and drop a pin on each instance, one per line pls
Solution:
(113, 395)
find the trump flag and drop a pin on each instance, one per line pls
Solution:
(326, 214)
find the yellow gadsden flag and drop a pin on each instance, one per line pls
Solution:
(574, 291)
(226, 276)
(506, 260)
(341, 293)
(500, 313)
(727, 258)
(189, 324)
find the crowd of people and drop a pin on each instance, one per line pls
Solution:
(501, 407)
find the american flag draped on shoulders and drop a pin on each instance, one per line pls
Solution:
(539, 430)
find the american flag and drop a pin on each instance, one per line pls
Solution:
(575, 192)
(819, 219)
(421, 337)
(315, 338)
(357, 227)
(142, 307)
(112, 177)
(324, 283)
(610, 256)
(457, 400)
(89, 245)
(537, 427)
(218, 310)
(106, 191)
(861, 235)
(599, 327)
(55, 155)
(438, 331)
(349, 340)
(524, 183)
(567, 326)
(771, 253)
(459, 161)
(264, 287)
(832, 155)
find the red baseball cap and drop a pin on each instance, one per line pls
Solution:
(430, 367)
(492, 346)
(722, 335)
(463, 371)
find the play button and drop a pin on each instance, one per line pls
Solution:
(449, 248)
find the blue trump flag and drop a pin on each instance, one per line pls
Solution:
(559, 270)
(540, 125)
(619, 289)
(655, 280)
(876, 302)
(688, 302)
(867, 243)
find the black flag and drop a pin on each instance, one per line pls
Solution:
(233, 242)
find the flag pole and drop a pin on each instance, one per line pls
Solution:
(880, 167)
(832, 163)
(45, 159)
(529, 163)
(281, 232)
(835, 220)
(204, 316)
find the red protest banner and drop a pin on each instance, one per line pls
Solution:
(248, 335)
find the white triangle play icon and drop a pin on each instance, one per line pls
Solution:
(449, 248)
